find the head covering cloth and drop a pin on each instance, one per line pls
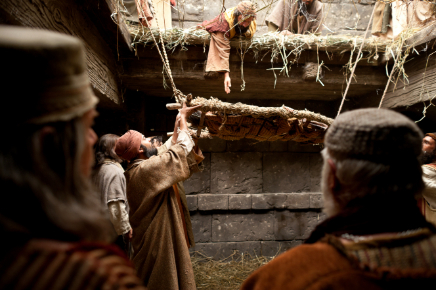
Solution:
(247, 9)
(45, 77)
(127, 146)
(431, 135)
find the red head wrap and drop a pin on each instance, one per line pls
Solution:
(431, 135)
(127, 146)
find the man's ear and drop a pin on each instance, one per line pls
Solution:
(141, 150)
(333, 182)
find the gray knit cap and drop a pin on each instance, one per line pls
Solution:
(377, 135)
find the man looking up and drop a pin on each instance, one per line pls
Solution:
(236, 21)
(160, 241)
(428, 159)
(296, 17)
(375, 236)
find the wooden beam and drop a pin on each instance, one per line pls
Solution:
(424, 35)
(297, 41)
(146, 75)
(101, 13)
(421, 85)
(67, 17)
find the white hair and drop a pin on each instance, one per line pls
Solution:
(360, 179)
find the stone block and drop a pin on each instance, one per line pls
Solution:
(316, 200)
(247, 145)
(219, 251)
(297, 147)
(185, 25)
(334, 20)
(202, 227)
(295, 225)
(356, 17)
(239, 201)
(286, 172)
(315, 162)
(281, 201)
(274, 248)
(243, 227)
(212, 145)
(261, 29)
(297, 200)
(213, 202)
(192, 202)
(234, 173)
(189, 10)
(268, 201)
(343, 17)
(278, 146)
(214, 7)
(199, 182)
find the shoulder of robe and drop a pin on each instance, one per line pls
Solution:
(318, 6)
(429, 168)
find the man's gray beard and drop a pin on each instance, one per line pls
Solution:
(330, 207)
(428, 157)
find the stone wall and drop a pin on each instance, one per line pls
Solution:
(258, 198)
(346, 17)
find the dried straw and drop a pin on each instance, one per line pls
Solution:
(215, 105)
(225, 274)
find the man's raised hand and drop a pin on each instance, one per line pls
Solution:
(186, 111)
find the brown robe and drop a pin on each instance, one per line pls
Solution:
(161, 255)
(283, 13)
(403, 263)
(221, 30)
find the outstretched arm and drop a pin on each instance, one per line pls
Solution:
(227, 83)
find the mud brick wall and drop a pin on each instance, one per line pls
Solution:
(342, 16)
(261, 198)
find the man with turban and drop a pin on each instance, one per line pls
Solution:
(428, 159)
(236, 21)
(296, 17)
(160, 236)
(375, 236)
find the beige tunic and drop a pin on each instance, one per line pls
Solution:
(429, 193)
(406, 16)
(219, 53)
(162, 14)
(283, 16)
(161, 255)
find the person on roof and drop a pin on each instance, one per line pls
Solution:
(236, 21)
(296, 17)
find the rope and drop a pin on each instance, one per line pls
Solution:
(178, 95)
(215, 105)
(389, 80)
(355, 64)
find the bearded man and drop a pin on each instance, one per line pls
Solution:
(296, 17)
(428, 160)
(108, 177)
(55, 231)
(160, 238)
(236, 21)
(375, 236)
